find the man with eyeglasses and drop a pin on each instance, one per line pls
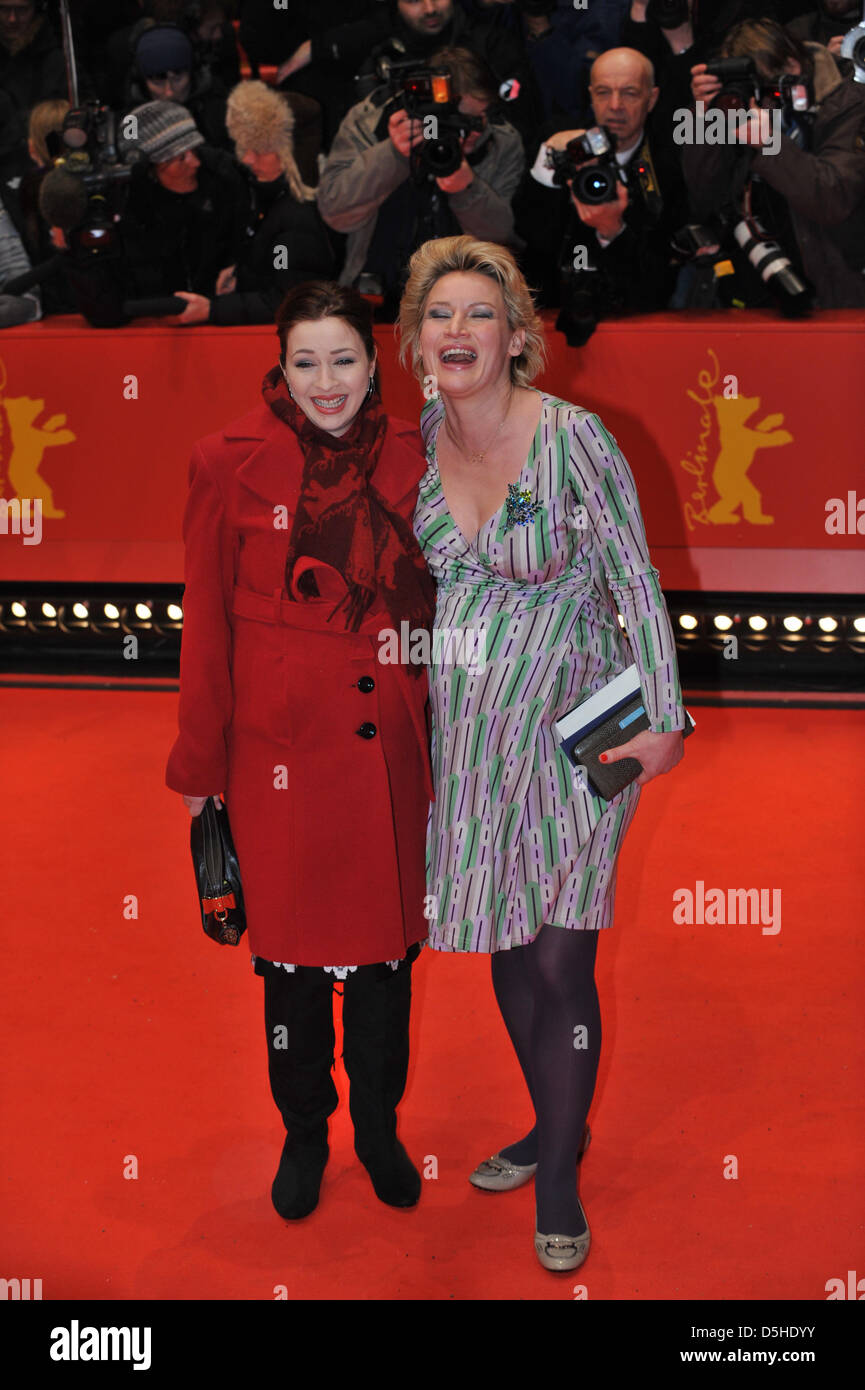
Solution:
(32, 67)
(599, 260)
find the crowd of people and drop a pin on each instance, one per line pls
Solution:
(559, 134)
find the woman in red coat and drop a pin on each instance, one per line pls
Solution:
(300, 556)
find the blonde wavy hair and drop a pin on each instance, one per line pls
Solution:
(260, 119)
(443, 256)
(45, 119)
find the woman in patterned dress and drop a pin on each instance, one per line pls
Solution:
(529, 521)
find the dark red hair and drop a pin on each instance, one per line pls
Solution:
(324, 299)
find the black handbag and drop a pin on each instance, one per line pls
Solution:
(217, 875)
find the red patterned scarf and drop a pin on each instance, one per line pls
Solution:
(344, 521)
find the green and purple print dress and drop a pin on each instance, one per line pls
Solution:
(514, 842)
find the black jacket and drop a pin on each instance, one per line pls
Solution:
(275, 223)
(35, 74)
(269, 35)
(177, 241)
(634, 273)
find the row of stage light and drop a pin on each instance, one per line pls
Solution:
(706, 622)
(87, 616)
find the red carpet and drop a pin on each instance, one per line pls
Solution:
(141, 1038)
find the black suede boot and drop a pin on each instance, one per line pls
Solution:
(375, 1015)
(298, 1015)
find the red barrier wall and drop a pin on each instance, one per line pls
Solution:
(739, 427)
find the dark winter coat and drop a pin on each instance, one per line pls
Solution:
(824, 189)
(278, 228)
(181, 241)
(36, 73)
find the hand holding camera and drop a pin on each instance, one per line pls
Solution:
(586, 162)
(458, 180)
(607, 219)
(404, 132)
(704, 85)
(430, 126)
(588, 165)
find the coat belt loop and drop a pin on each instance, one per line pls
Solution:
(277, 605)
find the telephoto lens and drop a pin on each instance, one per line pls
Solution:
(771, 264)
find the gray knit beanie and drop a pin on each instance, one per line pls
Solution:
(165, 130)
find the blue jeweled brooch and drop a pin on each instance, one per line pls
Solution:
(520, 507)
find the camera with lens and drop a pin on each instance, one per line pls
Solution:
(853, 47)
(707, 248)
(598, 182)
(427, 95)
(87, 205)
(740, 81)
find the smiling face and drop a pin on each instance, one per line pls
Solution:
(465, 340)
(328, 370)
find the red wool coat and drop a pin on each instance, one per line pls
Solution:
(329, 824)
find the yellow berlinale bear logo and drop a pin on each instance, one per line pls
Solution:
(22, 446)
(726, 414)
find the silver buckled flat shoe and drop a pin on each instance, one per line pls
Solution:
(563, 1252)
(497, 1174)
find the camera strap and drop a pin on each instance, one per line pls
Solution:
(641, 169)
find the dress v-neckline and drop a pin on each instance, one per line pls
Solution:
(533, 448)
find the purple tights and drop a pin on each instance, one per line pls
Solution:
(549, 1001)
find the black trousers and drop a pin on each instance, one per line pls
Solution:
(298, 1017)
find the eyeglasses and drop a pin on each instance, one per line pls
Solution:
(19, 11)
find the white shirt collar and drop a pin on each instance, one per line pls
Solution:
(542, 174)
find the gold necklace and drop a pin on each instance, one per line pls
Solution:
(479, 457)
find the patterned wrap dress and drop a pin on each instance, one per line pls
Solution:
(526, 626)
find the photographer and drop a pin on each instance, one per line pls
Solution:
(596, 259)
(800, 172)
(675, 34)
(379, 187)
(413, 30)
